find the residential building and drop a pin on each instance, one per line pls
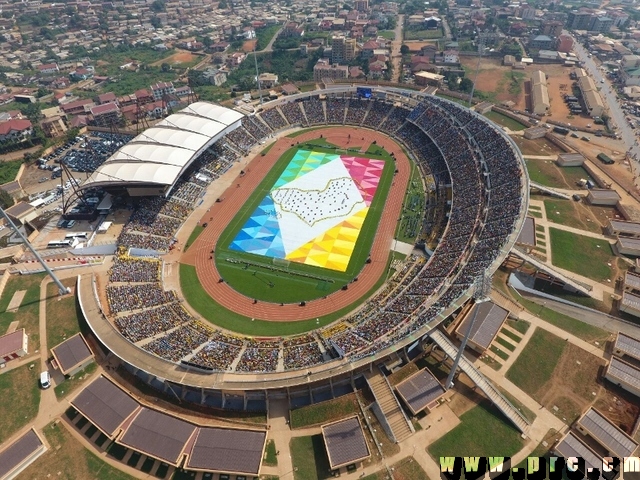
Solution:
(564, 44)
(161, 89)
(343, 49)
(541, 42)
(601, 24)
(268, 80)
(427, 78)
(48, 68)
(361, 5)
(53, 127)
(108, 97)
(105, 115)
(450, 56)
(322, 70)
(579, 20)
(15, 130)
(552, 28)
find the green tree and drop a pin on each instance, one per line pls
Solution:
(465, 85)
(155, 22)
(165, 67)
(6, 200)
(404, 49)
(223, 5)
(158, 6)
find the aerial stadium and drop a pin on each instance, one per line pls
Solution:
(289, 289)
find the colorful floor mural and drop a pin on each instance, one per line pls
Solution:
(314, 212)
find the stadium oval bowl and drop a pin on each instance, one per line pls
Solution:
(238, 390)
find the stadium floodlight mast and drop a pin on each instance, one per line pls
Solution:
(481, 290)
(481, 50)
(255, 60)
(62, 290)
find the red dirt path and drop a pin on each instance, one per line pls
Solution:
(222, 213)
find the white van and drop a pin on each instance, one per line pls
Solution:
(45, 380)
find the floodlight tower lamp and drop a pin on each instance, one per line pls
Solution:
(62, 290)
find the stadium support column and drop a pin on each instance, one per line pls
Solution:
(480, 294)
(61, 288)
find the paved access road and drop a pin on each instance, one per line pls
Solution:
(610, 99)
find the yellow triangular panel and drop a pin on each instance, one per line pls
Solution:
(333, 248)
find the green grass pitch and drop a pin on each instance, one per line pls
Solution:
(277, 286)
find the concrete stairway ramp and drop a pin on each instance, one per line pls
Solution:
(483, 384)
(581, 287)
(551, 191)
(395, 417)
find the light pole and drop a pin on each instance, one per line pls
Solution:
(481, 50)
(61, 288)
(480, 295)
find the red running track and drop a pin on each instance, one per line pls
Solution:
(237, 195)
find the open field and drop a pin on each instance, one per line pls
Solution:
(324, 412)
(494, 81)
(309, 458)
(483, 432)
(259, 277)
(181, 59)
(62, 316)
(20, 395)
(410, 34)
(571, 214)
(67, 458)
(9, 170)
(405, 469)
(537, 147)
(535, 364)
(546, 172)
(28, 313)
(583, 255)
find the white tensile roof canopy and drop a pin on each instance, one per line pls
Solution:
(159, 155)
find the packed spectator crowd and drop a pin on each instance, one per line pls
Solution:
(133, 269)
(454, 145)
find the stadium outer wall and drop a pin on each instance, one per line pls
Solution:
(183, 383)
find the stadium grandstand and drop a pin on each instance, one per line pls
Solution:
(152, 162)
(479, 175)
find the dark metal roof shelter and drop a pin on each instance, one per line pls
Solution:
(105, 405)
(227, 450)
(624, 372)
(528, 233)
(419, 390)
(72, 352)
(158, 435)
(572, 446)
(19, 451)
(628, 345)
(486, 325)
(345, 442)
(618, 443)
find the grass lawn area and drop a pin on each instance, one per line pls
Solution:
(535, 364)
(405, 372)
(583, 255)
(567, 212)
(9, 170)
(508, 345)
(300, 132)
(483, 431)
(265, 34)
(580, 329)
(67, 458)
(62, 315)
(491, 362)
(388, 34)
(324, 412)
(72, 383)
(505, 121)
(270, 457)
(215, 313)
(422, 34)
(412, 208)
(258, 278)
(20, 395)
(454, 99)
(194, 235)
(28, 313)
(548, 173)
(511, 335)
(309, 458)
(405, 469)
(500, 353)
